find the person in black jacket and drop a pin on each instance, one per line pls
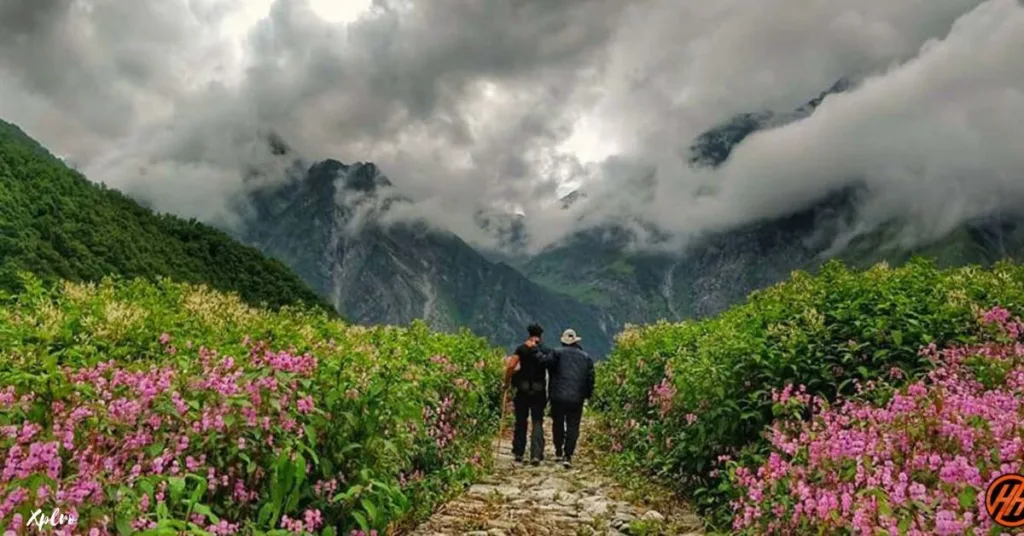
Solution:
(527, 373)
(572, 383)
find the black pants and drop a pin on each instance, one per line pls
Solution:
(566, 417)
(529, 407)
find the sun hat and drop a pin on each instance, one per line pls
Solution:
(569, 337)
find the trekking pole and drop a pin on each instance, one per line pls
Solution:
(501, 423)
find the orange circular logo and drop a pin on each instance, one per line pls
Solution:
(1004, 500)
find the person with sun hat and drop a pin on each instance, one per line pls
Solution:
(571, 374)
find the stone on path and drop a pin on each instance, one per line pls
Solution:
(522, 500)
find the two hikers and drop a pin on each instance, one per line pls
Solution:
(571, 373)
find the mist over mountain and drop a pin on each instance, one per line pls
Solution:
(344, 230)
(331, 225)
(713, 144)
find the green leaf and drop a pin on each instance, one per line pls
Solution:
(146, 486)
(266, 515)
(155, 449)
(361, 519)
(196, 529)
(968, 498)
(160, 531)
(204, 510)
(176, 485)
(201, 486)
(124, 526)
(884, 508)
(250, 466)
(300, 477)
(370, 509)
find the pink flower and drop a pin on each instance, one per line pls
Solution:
(313, 518)
(661, 395)
(305, 404)
(940, 436)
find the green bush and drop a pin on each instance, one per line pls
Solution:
(191, 411)
(676, 397)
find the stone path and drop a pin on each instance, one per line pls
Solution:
(521, 500)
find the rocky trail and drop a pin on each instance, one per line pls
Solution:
(522, 500)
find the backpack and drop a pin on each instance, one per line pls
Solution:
(531, 377)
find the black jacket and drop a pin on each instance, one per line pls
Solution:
(572, 375)
(531, 378)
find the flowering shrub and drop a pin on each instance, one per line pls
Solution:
(132, 407)
(918, 464)
(674, 398)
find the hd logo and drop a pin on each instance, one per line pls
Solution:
(1004, 500)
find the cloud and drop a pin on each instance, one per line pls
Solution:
(933, 139)
(467, 106)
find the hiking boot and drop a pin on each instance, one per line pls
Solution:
(519, 459)
(567, 463)
(535, 462)
(559, 457)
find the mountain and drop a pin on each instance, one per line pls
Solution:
(57, 224)
(597, 266)
(713, 147)
(329, 223)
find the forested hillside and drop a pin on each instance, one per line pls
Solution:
(57, 224)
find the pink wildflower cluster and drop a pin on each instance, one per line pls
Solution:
(119, 425)
(404, 480)
(918, 465)
(326, 489)
(440, 422)
(222, 528)
(310, 522)
(449, 367)
(1001, 319)
(661, 395)
(784, 396)
(302, 365)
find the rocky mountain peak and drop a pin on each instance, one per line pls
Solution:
(359, 177)
(572, 198)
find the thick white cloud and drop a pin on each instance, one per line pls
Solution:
(470, 105)
(936, 140)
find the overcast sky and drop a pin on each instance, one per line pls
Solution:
(507, 103)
